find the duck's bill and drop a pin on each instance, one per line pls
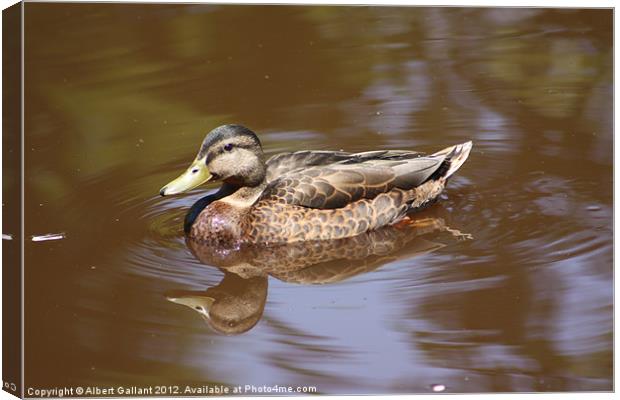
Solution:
(197, 301)
(194, 176)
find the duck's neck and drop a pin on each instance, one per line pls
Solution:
(244, 196)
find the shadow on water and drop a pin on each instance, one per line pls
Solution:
(236, 303)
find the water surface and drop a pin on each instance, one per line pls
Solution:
(118, 98)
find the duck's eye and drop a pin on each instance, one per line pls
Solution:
(228, 146)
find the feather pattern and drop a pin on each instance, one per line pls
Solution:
(358, 176)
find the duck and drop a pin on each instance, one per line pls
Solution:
(307, 195)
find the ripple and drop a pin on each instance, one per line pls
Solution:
(161, 252)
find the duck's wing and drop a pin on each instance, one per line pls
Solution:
(287, 162)
(283, 163)
(360, 176)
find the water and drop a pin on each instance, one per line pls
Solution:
(118, 98)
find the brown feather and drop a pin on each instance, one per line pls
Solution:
(336, 185)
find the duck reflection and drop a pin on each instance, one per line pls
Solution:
(236, 304)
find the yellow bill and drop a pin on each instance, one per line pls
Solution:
(196, 301)
(194, 176)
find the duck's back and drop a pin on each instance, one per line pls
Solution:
(329, 195)
(340, 184)
(287, 163)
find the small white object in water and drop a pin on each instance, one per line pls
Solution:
(7, 236)
(48, 236)
(438, 388)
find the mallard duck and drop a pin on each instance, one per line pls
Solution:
(305, 195)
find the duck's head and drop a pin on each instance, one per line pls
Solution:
(232, 307)
(229, 153)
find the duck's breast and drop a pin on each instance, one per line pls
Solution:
(220, 222)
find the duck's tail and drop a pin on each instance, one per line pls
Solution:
(455, 156)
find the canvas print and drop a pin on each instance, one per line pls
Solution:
(218, 199)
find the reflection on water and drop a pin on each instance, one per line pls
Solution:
(236, 304)
(118, 97)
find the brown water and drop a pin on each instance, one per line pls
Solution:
(118, 98)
